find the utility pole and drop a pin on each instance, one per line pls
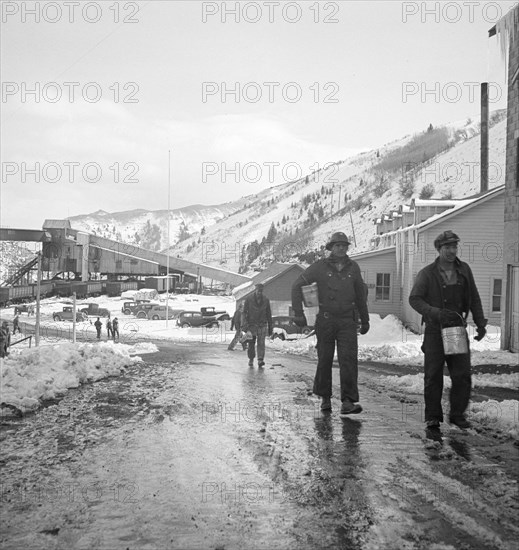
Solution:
(167, 240)
(38, 294)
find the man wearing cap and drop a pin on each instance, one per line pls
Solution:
(342, 298)
(443, 293)
(257, 318)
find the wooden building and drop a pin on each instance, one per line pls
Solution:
(378, 269)
(507, 32)
(278, 279)
(392, 268)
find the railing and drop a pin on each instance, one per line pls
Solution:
(23, 340)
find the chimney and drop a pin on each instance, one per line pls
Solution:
(484, 138)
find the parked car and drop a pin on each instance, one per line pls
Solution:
(95, 310)
(68, 315)
(131, 308)
(155, 312)
(283, 327)
(221, 315)
(187, 319)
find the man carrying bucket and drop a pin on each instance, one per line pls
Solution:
(341, 299)
(444, 292)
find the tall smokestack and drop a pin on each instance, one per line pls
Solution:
(484, 138)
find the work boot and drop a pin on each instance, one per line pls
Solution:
(251, 362)
(350, 408)
(460, 421)
(432, 424)
(261, 363)
(326, 404)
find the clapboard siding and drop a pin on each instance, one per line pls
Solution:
(372, 263)
(481, 231)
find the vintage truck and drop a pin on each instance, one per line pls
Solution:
(95, 310)
(68, 315)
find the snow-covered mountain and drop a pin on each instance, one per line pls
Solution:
(148, 229)
(292, 220)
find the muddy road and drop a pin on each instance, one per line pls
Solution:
(194, 449)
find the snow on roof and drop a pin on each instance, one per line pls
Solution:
(433, 202)
(370, 253)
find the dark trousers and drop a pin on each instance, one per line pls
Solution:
(343, 331)
(259, 333)
(459, 370)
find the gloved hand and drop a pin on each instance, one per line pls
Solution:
(300, 319)
(434, 314)
(364, 328)
(481, 333)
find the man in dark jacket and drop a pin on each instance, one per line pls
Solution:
(342, 299)
(98, 326)
(236, 325)
(257, 318)
(5, 339)
(444, 292)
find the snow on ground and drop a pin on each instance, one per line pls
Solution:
(33, 374)
(390, 342)
(47, 372)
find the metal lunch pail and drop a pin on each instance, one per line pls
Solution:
(310, 295)
(455, 340)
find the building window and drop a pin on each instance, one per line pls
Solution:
(497, 285)
(382, 287)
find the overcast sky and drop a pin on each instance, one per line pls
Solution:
(117, 85)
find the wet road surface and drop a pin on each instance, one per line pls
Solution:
(194, 449)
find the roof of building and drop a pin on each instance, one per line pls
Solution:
(370, 253)
(57, 224)
(267, 276)
(462, 205)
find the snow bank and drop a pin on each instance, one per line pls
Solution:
(413, 383)
(497, 415)
(47, 372)
(389, 341)
(502, 416)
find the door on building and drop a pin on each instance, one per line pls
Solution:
(513, 300)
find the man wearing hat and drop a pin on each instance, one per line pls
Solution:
(443, 293)
(342, 298)
(257, 318)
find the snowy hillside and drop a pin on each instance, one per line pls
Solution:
(291, 219)
(296, 217)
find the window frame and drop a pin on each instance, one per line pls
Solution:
(383, 286)
(493, 295)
